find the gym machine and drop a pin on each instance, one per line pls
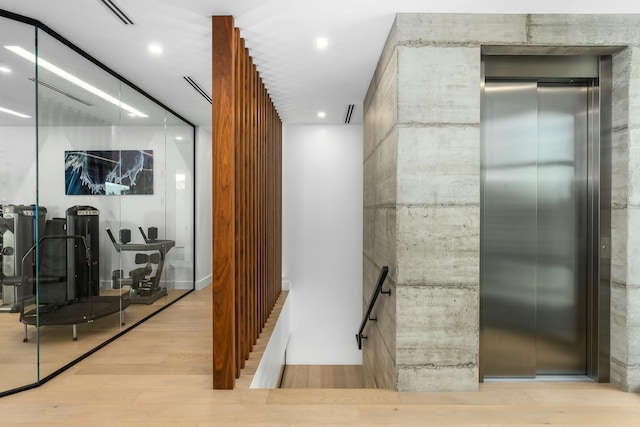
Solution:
(68, 275)
(83, 281)
(145, 285)
(17, 235)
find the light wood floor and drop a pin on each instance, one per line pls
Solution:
(18, 360)
(322, 376)
(160, 375)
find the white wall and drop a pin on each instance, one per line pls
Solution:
(17, 168)
(204, 241)
(322, 241)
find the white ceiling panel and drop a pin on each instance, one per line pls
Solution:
(280, 35)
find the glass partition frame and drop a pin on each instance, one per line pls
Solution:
(93, 131)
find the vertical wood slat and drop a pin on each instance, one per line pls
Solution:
(238, 205)
(247, 200)
(241, 207)
(223, 209)
(254, 196)
(263, 183)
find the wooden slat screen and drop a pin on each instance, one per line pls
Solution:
(247, 203)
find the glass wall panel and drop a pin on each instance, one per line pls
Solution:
(18, 361)
(180, 199)
(110, 175)
(78, 116)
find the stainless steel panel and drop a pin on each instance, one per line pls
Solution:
(562, 230)
(509, 229)
(601, 247)
(570, 262)
(542, 67)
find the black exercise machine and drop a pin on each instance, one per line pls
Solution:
(145, 284)
(17, 235)
(63, 300)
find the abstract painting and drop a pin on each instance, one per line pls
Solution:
(108, 172)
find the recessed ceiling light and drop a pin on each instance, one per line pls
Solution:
(5, 69)
(155, 49)
(179, 138)
(321, 114)
(322, 42)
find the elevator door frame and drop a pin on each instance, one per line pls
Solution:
(565, 69)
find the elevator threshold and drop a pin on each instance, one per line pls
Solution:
(543, 379)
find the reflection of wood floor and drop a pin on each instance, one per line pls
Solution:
(18, 359)
(160, 375)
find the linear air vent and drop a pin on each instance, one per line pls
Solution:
(117, 12)
(347, 117)
(62, 92)
(198, 89)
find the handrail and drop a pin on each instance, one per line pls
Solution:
(377, 291)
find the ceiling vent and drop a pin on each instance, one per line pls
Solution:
(347, 117)
(62, 92)
(199, 89)
(117, 12)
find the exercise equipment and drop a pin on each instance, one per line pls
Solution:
(66, 268)
(83, 280)
(18, 227)
(54, 306)
(145, 284)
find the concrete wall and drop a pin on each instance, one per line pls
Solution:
(380, 228)
(422, 188)
(625, 222)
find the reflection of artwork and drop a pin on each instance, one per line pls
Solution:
(108, 172)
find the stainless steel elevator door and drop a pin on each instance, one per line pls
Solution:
(534, 229)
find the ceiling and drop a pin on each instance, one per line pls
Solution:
(280, 34)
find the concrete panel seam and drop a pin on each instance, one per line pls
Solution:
(405, 125)
(619, 206)
(616, 284)
(418, 43)
(377, 144)
(439, 367)
(620, 129)
(370, 154)
(618, 362)
(438, 205)
(375, 264)
(386, 206)
(527, 28)
(441, 285)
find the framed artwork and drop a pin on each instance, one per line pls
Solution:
(108, 172)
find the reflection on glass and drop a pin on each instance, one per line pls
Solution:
(18, 360)
(46, 65)
(115, 228)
